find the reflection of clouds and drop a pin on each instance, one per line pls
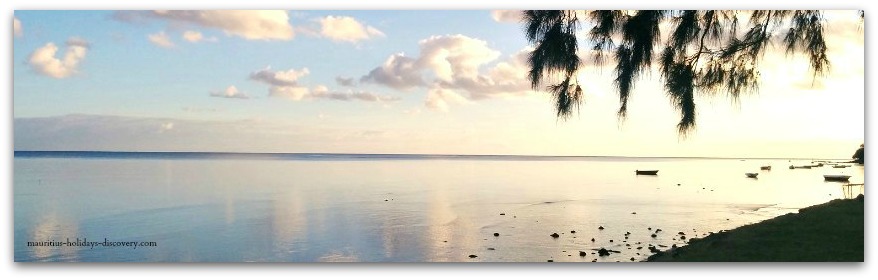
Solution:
(52, 228)
(335, 256)
(288, 221)
(446, 224)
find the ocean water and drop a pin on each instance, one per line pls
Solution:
(195, 207)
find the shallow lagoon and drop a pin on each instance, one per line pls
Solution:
(413, 209)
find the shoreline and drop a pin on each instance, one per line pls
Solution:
(830, 232)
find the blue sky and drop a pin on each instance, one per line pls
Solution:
(428, 81)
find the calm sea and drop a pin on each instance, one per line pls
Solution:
(209, 207)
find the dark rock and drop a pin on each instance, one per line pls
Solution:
(572, 231)
(502, 214)
(653, 235)
(473, 256)
(582, 253)
(592, 240)
(641, 247)
(491, 249)
(649, 228)
(658, 230)
(550, 261)
(601, 227)
(496, 234)
(555, 235)
(633, 213)
(626, 237)
(682, 237)
(594, 260)
(603, 252)
(611, 241)
(681, 233)
(632, 259)
(385, 200)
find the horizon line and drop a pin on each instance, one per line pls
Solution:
(405, 154)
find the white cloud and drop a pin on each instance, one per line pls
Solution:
(323, 92)
(346, 29)
(43, 59)
(285, 84)
(439, 99)
(398, 71)
(230, 92)
(161, 39)
(288, 92)
(453, 66)
(247, 24)
(510, 16)
(279, 78)
(195, 37)
(16, 27)
(452, 56)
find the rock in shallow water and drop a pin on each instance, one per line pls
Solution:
(555, 235)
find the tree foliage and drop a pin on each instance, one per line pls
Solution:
(706, 51)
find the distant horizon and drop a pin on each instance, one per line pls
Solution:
(410, 154)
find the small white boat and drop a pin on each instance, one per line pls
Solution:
(837, 178)
(751, 175)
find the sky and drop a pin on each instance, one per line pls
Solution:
(387, 81)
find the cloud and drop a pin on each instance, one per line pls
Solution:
(43, 59)
(122, 133)
(323, 92)
(346, 82)
(230, 92)
(285, 84)
(279, 78)
(16, 27)
(161, 39)
(439, 99)
(453, 66)
(195, 37)
(398, 71)
(247, 24)
(510, 16)
(346, 29)
(288, 92)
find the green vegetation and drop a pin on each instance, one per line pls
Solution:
(705, 52)
(830, 232)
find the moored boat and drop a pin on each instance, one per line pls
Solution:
(751, 175)
(646, 172)
(838, 178)
(767, 167)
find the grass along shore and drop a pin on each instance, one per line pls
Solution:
(829, 232)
